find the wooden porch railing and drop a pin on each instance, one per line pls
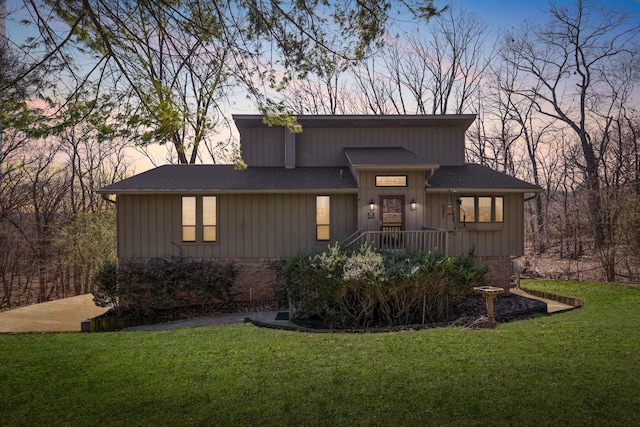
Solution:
(418, 240)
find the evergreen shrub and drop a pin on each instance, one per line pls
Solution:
(148, 287)
(365, 287)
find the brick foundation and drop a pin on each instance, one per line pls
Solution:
(499, 270)
(259, 279)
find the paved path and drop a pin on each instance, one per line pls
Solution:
(62, 315)
(552, 306)
(66, 314)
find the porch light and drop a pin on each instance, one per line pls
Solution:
(372, 205)
(450, 209)
(413, 205)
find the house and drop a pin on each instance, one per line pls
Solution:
(394, 181)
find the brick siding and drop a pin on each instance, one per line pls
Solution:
(499, 270)
(259, 279)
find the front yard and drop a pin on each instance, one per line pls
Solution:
(575, 368)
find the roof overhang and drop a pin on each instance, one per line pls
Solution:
(386, 159)
(483, 190)
(214, 191)
(365, 121)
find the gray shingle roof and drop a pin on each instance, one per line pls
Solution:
(474, 176)
(389, 156)
(223, 178)
(194, 178)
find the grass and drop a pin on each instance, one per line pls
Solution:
(576, 368)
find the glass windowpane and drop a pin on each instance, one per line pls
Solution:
(209, 233)
(323, 232)
(188, 233)
(499, 209)
(391, 181)
(188, 211)
(484, 209)
(322, 210)
(209, 210)
(467, 209)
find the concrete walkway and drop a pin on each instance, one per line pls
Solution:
(63, 315)
(552, 306)
(66, 314)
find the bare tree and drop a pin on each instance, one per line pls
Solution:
(443, 69)
(173, 63)
(568, 61)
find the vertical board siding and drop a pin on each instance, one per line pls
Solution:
(263, 146)
(317, 147)
(280, 225)
(249, 226)
(414, 220)
(508, 241)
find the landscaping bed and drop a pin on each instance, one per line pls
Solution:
(469, 310)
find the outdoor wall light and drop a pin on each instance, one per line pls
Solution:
(372, 205)
(413, 205)
(450, 209)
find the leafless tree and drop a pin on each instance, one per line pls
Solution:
(569, 61)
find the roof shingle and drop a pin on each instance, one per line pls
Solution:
(474, 176)
(383, 157)
(191, 178)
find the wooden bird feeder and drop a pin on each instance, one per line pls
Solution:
(489, 293)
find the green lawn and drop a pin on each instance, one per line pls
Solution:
(576, 368)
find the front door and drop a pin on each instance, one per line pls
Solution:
(391, 221)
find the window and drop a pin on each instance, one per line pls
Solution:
(484, 209)
(323, 215)
(467, 209)
(188, 219)
(199, 210)
(481, 209)
(209, 219)
(391, 181)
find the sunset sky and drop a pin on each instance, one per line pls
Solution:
(499, 15)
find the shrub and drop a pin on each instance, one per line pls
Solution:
(106, 282)
(150, 286)
(313, 280)
(364, 287)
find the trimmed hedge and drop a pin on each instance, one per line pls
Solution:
(365, 287)
(144, 288)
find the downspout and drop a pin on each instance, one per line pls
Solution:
(535, 196)
(427, 177)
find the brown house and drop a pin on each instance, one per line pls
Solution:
(394, 181)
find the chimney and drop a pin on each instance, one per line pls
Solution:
(289, 149)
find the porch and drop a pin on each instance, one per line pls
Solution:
(395, 238)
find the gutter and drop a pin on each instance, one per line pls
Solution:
(105, 197)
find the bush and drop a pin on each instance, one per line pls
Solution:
(150, 286)
(365, 287)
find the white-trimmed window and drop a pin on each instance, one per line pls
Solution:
(199, 213)
(480, 209)
(323, 217)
